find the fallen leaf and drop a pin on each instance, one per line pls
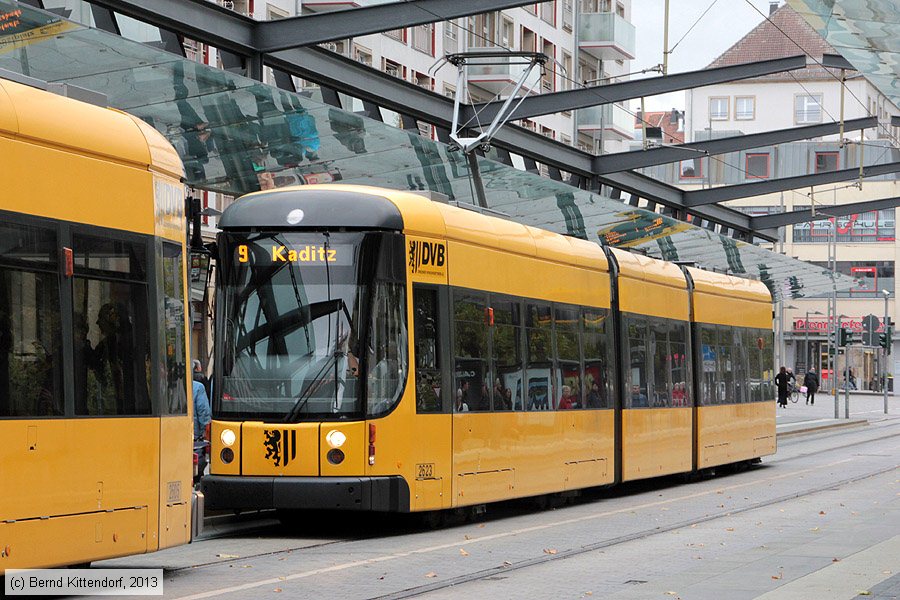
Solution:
(282, 579)
(380, 578)
(430, 574)
(776, 576)
(462, 552)
(277, 590)
(821, 512)
(670, 593)
(835, 560)
(506, 563)
(467, 537)
(227, 556)
(729, 529)
(589, 593)
(720, 492)
(814, 529)
(864, 593)
(481, 526)
(246, 566)
(549, 550)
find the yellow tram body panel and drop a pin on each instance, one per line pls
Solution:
(726, 300)
(648, 286)
(656, 441)
(734, 432)
(83, 489)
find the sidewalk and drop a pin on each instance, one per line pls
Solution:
(801, 418)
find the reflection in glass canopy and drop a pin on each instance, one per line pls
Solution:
(865, 32)
(236, 135)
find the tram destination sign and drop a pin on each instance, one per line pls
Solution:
(340, 255)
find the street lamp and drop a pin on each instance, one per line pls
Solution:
(806, 326)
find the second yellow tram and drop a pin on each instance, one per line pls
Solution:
(380, 351)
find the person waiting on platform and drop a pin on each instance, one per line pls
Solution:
(811, 381)
(783, 385)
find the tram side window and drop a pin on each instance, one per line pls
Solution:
(508, 390)
(568, 355)
(30, 329)
(662, 386)
(637, 354)
(539, 366)
(767, 353)
(754, 366)
(171, 335)
(597, 349)
(726, 366)
(428, 350)
(678, 365)
(112, 348)
(739, 356)
(470, 352)
(709, 358)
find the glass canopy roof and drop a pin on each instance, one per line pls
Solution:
(865, 32)
(236, 135)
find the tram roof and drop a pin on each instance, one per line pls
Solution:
(236, 135)
(28, 113)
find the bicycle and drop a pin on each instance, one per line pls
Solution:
(794, 396)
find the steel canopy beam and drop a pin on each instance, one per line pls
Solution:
(293, 32)
(673, 197)
(636, 159)
(545, 104)
(837, 210)
(197, 19)
(731, 192)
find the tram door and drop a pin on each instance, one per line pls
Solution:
(432, 440)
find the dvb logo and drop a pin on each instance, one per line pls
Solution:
(426, 254)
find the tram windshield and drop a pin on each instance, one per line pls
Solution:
(313, 325)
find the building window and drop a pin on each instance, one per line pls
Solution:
(757, 166)
(451, 37)
(548, 73)
(548, 12)
(869, 277)
(691, 169)
(745, 108)
(807, 108)
(423, 38)
(532, 8)
(718, 109)
(397, 34)
(362, 55)
(869, 227)
(392, 68)
(483, 30)
(826, 161)
(567, 15)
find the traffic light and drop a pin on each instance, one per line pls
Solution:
(884, 339)
(845, 336)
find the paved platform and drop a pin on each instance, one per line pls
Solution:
(865, 407)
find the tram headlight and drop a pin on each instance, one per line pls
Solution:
(228, 437)
(335, 438)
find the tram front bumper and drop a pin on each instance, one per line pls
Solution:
(383, 494)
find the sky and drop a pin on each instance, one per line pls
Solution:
(725, 23)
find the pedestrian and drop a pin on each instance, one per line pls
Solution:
(202, 418)
(200, 376)
(782, 380)
(811, 381)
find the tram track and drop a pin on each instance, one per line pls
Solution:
(505, 568)
(612, 542)
(269, 527)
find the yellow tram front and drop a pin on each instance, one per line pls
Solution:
(312, 354)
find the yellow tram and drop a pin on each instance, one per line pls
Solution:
(96, 460)
(380, 351)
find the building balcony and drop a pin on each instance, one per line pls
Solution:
(609, 120)
(499, 74)
(319, 6)
(606, 36)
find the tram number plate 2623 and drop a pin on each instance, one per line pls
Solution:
(425, 471)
